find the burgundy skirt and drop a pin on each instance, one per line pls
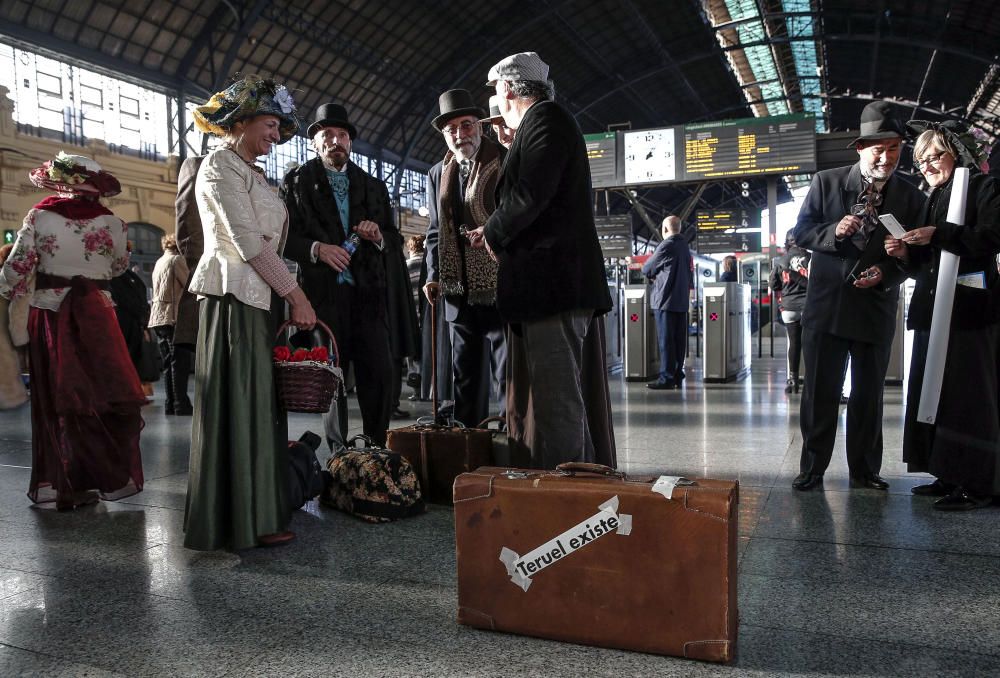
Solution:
(85, 402)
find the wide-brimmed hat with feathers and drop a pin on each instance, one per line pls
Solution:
(247, 98)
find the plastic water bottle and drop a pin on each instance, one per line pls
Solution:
(352, 243)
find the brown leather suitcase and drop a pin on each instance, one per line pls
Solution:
(439, 453)
(587, 555)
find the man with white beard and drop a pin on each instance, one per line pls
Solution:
(460, 197)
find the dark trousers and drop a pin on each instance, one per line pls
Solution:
(359, 324)
(477, 340)
(825, 361)
(671, 332)
(176, 369)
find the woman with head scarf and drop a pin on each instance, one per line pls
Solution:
(85, 393)
(237, 488)
(962, 447)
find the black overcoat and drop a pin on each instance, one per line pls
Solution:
(543, 228)
(833, 304)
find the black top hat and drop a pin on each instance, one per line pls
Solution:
(453, 104)
(878, 122)
(331, 115)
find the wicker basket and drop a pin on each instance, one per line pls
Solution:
(307, 386)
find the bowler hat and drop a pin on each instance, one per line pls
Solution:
(331, 115)
(878, 122)
(453, 104)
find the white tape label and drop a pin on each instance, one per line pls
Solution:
(607, 520)
(665, 485)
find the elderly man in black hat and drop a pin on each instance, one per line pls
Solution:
(330, 198)
(460, 197)
(850, 309)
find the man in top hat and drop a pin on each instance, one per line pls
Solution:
(850, 309)
(328, 199)
(551, 284)
(460, 193)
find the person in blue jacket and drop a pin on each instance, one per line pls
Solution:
(670, 270)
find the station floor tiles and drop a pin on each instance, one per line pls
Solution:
(834, 583)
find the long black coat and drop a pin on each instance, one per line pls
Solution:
(543, 228)
(833, 304)
(976, 244)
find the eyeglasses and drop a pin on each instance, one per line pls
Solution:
(464, 126)
(929, 160)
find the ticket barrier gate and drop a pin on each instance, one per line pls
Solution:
(727, 331)
(642, 358)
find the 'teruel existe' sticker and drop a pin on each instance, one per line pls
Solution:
(607, 520)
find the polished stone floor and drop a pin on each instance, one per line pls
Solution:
(834, 583)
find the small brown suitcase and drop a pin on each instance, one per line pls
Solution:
(587, 555)
(439, 453)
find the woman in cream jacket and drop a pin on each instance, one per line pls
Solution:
(237, 482)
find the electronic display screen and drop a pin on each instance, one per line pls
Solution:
(726, 231)
(783, 144)
(602, 152)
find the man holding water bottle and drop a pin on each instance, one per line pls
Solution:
(338, 214)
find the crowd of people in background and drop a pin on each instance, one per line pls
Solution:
(510, 272)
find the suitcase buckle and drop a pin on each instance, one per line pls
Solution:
(511, 474)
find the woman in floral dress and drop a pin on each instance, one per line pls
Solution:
(85, 394)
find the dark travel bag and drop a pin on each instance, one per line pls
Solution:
(305, 475)
(587, 555)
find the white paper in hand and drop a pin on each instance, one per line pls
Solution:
(892, 225)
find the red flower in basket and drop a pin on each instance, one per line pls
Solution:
(281, 353)
(319, 354)
(300, 355)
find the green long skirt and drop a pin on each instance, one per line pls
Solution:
(237, 485)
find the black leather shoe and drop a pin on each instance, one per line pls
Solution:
(960, 500)
(661, 385)
(679, 376)
(872, 481)
(807, 481)
(399, 414)
(789, 385)
(935, 489)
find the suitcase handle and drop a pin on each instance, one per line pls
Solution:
(571, 468)
(485, 423)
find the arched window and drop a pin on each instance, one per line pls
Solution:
(145, 249)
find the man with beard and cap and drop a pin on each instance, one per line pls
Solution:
(551, 283)
(329, 198)
(460, 194)
(850, 308)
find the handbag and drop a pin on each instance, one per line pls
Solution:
(372, 483)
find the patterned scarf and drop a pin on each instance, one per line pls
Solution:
(464, 270)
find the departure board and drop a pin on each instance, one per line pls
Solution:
(783, 144)
(727, 231)
(602, 152)
(650, 156)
